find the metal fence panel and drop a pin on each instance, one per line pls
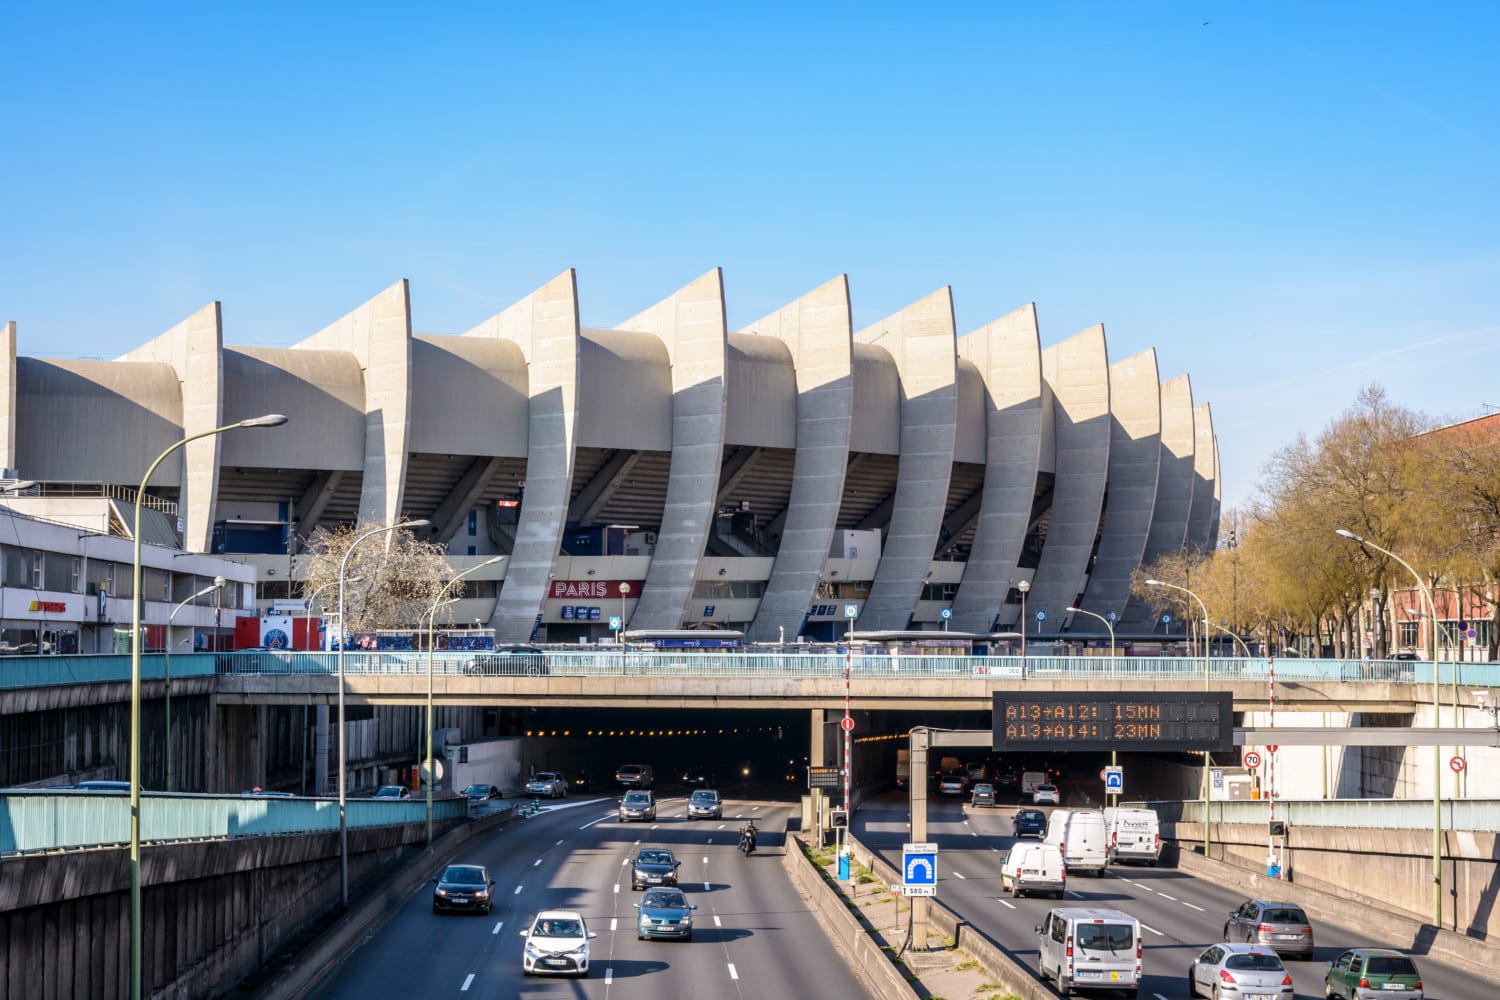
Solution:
(52, 671)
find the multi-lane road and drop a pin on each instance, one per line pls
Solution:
(753, 936)
(1180, 915)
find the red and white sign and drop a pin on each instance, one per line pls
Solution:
(595, 590)
(1457, 764)
(1272, 748)
(1252, 759)
(50, 607)
(847, 724)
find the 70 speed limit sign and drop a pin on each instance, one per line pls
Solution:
(1252, 759)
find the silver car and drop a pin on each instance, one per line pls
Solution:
(548, 783)
(1239, 972)
(1282, 927)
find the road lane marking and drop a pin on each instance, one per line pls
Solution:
(707, 887)
(1198, 908)
(705, 861)
(609, 976)
(1006, 903)
(536, 863)
(732, 973)
(624, 863)
(1153, 930)
(716, 921)
(617, 888)
(498, 924)
(959, 874)
(467, 983)
(1165, 896)
(614, 923)
(601, 819)
(1158, 996)
(559, 843)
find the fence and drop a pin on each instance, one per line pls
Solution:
(52, 671)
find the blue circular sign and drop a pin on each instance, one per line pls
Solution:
(1041, 616)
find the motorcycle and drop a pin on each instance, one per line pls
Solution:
(747, 839)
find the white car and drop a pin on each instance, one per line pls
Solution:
(557, 943)
(1044, 795)
(548, 783)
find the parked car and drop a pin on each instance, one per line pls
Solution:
(1282, 927)
(103, 786)
(557, 943)
(1044, 795)
(705, 803)
(463, 889)
(261, 793)
(1362, 973)
(637, 805)
(635, 775)
(1239, 972)
(392, 792)
(665, 913)
(1029, 823)
(548, 783)
(479, 793)
(508, 661)
(654, 866)
(982, 795)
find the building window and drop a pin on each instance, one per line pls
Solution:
(59, 572)
(473, 524)
(1410, 635)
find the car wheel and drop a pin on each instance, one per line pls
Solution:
(1328, 990)
(1215, 993)
(1192, 983)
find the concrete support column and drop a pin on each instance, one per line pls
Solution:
(320, 752)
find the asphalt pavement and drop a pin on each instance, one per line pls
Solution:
(753, 935)
(1180, 915)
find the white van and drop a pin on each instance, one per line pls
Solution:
(1134, 836)
(1084, 948)
(1034, 870)
(1081, 837)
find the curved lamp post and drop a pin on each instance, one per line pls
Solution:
(343, 741)
(1107, 624)
(1024, 586)
(1206, 669)
(1437, 751)
(430, 779)
(218, 584)
(269, 420)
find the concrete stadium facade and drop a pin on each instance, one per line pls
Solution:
(669, 470)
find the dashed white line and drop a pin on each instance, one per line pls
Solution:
(537, 862)
(1005, 903)
(609, 976)
(518, 891)
(708, 887)
(1165, 896)
(614, 923)
(624, 862)
(617, 888)
(467, 983)
(601, 819)
(559, 843)
(732, 973)
(1198, 908)
(1153, 930)
(716, 921)
(498, 924)
(973, 833)
(958, 874)
(1158, 996)
(705, 861)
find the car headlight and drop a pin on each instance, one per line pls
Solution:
(442, 892)
(481, 893)
(532, 951)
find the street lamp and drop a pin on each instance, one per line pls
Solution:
(1437, 751)
(624, 650)
(343, 736)
(1107, 624)
(307, 611)
(431, 619)
(1375, 623)
(269, 420)
(1023, 587)
(1207, 666)
(218, 583)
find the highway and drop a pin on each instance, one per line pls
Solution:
(753, 935)
(1180, 915)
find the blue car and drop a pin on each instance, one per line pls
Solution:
(1029, 823)
(665, 913)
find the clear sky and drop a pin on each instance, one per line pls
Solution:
(1288, 201)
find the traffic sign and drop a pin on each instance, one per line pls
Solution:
(851, 611)
(614, 623)
(1114, 780)
(1166, 619)
(919, 869)
(1041, 616)
(1252, 759)
(1457, 764)
(847, 723)
(945, 614)
(1272, 748)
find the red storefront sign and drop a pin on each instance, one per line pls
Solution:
(592, 590)
(50, 607)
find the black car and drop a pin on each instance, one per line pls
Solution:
(479, 793)
(463, 889)
(509, 661)
(654, 866)
(1029, 823)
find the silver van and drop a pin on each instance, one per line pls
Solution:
(1088, 948)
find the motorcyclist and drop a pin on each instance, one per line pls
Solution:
(747, 838)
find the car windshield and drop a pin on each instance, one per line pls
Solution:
(655, 857)
(1284, 915)
(1389, 965)
(665, 899)
(474, 789)
(1046, 788)
(1106, 937)
(1255, 961)
(984, 789)
(558, 928)
(1029, 816)
(709, 797)
(545, 776)
(464, 875)
(630, 769)
(388, 792)
(637, 798)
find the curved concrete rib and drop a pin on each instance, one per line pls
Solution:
(818, 329)
(8, 394)
(691, 324)
(378, 334)
(1008, 354)
(921, 340)
(1134, 464)
(1201, 517)
(1078, 372)
(1174, 491)
(545, 326)
(1216, 511)
(195, 350)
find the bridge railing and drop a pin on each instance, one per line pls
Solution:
(51, 671)
(55, 819)
(1371, 814)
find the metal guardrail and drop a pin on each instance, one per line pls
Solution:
(52, 671)
(53, 819)
(1357, 814)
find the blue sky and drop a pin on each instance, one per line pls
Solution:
(1289, 201)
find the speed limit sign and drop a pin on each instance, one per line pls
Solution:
(1252, 759)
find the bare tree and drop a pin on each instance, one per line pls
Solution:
(391, 580)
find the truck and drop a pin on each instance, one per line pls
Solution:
(903, 768)
(484, 762)
(1030, 779)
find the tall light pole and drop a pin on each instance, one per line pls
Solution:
(624, 651)
(1437, 751)
(1107, 624)
(218, 583)
(269, 420)
(1023, 587)
(430, 778)
(1207, 667)
(343, 740)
